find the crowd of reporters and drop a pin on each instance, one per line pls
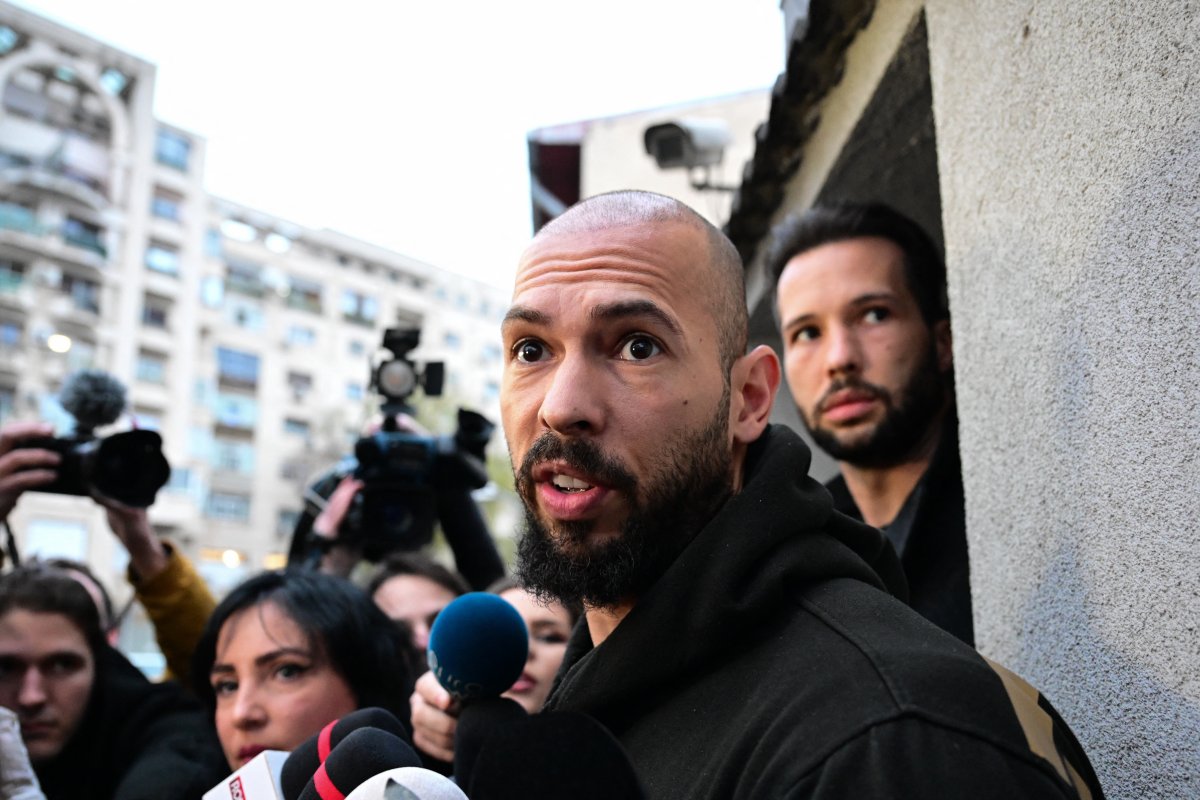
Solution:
(283, 654)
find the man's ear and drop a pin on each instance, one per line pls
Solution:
(754, 381)
(943, 341)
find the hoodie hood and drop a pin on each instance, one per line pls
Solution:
(769, 542)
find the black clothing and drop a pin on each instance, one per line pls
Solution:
(930, 534)
(138, 741)
(774, 660)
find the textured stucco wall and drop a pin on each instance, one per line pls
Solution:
(1069, 152)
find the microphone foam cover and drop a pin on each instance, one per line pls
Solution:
(363, 754)
(478, 722)
(407, 783)
(554, 754)
(304, 760)
(477, 646)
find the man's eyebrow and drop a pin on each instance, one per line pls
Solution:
(525, 314)
(860, 300)
(635, 308)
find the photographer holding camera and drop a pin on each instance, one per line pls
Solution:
(175, 597)
(401, 481)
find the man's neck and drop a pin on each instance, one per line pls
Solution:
(603, 621)
(880, 492)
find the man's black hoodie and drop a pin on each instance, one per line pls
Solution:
(775, 658)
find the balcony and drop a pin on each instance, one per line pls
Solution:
(15, 291)
(18, 218)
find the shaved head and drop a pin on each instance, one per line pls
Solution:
(721, 277)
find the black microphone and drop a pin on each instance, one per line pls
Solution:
(550, 755)
(362, 755)
(478, 646)
(94, 398)
(304, 761)
(479, 721)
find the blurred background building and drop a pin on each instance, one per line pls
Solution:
(244, 339)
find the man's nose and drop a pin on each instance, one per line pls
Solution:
(573, 404)
(33, 689)
(843, 355)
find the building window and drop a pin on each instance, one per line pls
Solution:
(285, 522)
(173, 150)
(148, 421)
(10, 335)
(12, 276)
(156, 313)
(296, 427)
(245, 314)
(244, 277)
(84, 235)
(304, 295)
(151, 367)
(84, 294)
(8, 39)
(114, 81)
(354, 391)
(301, 336)
(236, 411)
(359, 308)
(233, 456)
(236, 367)
(8, 403)
(300, 383)
(166, 205)
(162, 258)
(452, 340)
(20, 217)
(228, 505)
(357, 348)
(212, 243)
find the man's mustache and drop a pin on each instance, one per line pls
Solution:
(580, 454)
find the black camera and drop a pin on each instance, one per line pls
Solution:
(128, 467)
(403, 472)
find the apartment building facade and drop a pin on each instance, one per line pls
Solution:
(245, 339)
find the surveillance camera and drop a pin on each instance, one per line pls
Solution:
(687, 142)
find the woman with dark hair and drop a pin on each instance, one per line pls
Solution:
(287, 652)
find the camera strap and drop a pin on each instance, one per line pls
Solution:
(10, 545)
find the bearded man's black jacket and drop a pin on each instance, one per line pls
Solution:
(775, 658)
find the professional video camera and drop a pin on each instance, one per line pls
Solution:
(401, 471)
(127, 466)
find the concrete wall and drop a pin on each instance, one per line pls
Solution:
(1069, 153)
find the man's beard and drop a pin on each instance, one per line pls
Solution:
(906, 421)
(666, 511)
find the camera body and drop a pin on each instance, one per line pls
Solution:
(129, 466)
(402, 472)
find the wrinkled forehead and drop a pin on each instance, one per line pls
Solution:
(658, 259)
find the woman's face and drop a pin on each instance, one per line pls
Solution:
(549, 626)
(273, 690)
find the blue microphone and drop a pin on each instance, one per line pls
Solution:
(477, 646)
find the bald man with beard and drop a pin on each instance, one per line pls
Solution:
(741, 638)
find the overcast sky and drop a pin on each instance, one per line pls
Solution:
(404, 123)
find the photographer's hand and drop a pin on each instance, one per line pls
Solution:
(22, 469)
(340, 558)
(147, 555)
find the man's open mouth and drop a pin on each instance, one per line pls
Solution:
(565, 483)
